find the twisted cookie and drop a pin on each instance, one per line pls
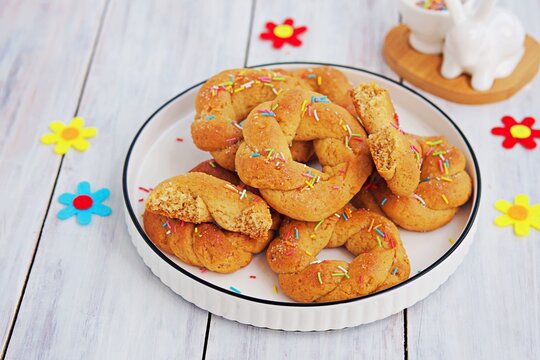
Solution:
(394, 156)
(226, 99)
(264, 161)
(207, 222)
(381, 260)
(328, 81)
(445, 186)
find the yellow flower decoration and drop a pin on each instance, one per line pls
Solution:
(67, 136)
(519, 214)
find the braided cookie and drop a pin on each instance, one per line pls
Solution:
(264, 161)
(381, 260)
(396, 160)
(226, 99)
(328, 81)
(445, 186)
(207, 222)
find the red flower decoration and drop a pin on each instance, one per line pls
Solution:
(283, 33)
(515, 132)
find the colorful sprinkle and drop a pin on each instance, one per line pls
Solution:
(235, 290)
(308, 253)
(319, 277)
(433, 143)
(318, 224)
(395, 271)
(255, 155)
(379, 241)
(451, 241)
(296, 233)
(379, 232)
(210, 117)
(321, 99)
(243, 194)
(252, 277)
(266, 112)
(417, 197)
(179, 139)
(212, 164)
(447, 179)
(444, 198)
(384, 201)
(371, 225)
(275, 289)
(144, 189)
(438, 5)
(230, 187)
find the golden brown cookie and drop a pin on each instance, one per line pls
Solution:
(381, 260)
(445, 186)
(225, 100)
(208, 222)
(394, 157)
(328, 81)
(294, 189)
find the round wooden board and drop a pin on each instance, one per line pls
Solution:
(423, 71)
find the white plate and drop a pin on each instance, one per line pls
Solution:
(155, 155)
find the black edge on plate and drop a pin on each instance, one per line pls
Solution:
(281, 303)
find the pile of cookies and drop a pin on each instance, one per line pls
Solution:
(265, 129)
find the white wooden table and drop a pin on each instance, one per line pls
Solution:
(68, 292)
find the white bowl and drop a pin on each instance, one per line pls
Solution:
(428, 27)
(155, 155)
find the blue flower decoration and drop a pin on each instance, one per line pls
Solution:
(84, 203)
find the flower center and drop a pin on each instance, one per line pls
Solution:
(518, 212)
(520, 131)
(69, 133)
(283, 31)
(83, 202)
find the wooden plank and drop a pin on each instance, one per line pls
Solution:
(345, 32)
(89, 294)
(489, 308)
(44, 52)
(380, 340)
(350, 34)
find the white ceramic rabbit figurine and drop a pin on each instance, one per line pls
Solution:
(487, 44)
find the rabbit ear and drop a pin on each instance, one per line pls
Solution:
(456, 10)
(484, 9)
